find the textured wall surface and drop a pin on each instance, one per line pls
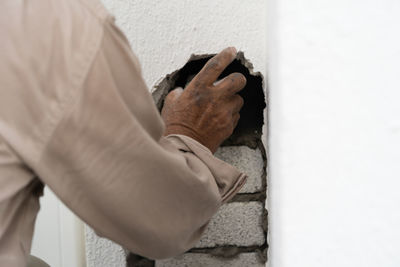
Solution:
(235, 236)
(205, 260)
(101, 252)
(247, 160)
(163, 34)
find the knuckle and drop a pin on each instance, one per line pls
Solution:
(233, 82)
(171, 94)
(237, 116)
(235, 121)
(228, 115)
(197, 83)
(240, 78)
(224, 118)
(239, 100)
(224, 121)
(214, 64)
(168, 99)
(231, 129)
(200, 93)
(230, 124)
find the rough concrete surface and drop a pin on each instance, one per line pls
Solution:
(206, 260)
(247, 160)
(236, 223)
(101, 252)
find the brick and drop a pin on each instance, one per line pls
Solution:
(236, 223)
(247, 160)
(202, 260)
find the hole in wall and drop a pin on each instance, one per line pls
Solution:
(249, 128)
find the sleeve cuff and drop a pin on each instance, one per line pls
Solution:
(229, 179)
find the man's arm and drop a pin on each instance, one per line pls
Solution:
(108, 161)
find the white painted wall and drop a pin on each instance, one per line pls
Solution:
(163, 34)
(334, 133)
(59, 234)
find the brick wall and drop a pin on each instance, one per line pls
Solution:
(236, 235)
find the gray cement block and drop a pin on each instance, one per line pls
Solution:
(205, 260)
(247, 160)
(236, 223)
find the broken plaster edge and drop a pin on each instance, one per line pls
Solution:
(158, 93)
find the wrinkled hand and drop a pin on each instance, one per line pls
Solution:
(206, 111)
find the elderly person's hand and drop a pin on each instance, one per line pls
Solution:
(206, 111)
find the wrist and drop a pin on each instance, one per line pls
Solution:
(187, 131)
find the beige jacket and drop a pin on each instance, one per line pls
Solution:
(76, 115)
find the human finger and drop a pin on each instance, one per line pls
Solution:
(235, 120)
(173, 95)
(215, 66)
(231, 84)
(236, 103)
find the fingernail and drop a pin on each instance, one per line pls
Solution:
(234, 51)
(177, 92)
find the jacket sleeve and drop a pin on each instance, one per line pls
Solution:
(108, 161)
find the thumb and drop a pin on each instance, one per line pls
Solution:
(173, 95)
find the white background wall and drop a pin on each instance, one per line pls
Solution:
(59, 236)
(334, 133)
